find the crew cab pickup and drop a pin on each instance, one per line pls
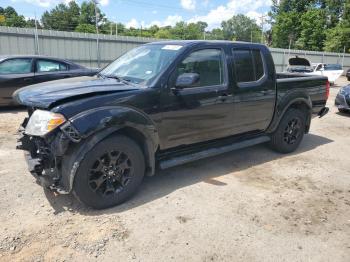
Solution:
(161, 105)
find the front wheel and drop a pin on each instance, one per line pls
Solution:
(290, 132)
(110, 172)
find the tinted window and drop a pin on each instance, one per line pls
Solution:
(244, 66)
(207, 63)
(258, 64)
(249, 65)
(50, 66)
(16, 66)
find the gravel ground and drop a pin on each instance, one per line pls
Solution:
(251, 205)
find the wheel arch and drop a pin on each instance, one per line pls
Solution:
(302, 104)
(97, 126)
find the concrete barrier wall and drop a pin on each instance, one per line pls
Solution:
(82, 48)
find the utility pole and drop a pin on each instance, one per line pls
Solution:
(36, 37)
(262, 27)
(97, 32)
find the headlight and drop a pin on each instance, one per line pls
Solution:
(42, 122)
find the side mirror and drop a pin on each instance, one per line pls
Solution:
(187, 80)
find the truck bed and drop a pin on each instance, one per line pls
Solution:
(314, 86)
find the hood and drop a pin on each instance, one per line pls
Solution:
(46, 94)
(299, 61)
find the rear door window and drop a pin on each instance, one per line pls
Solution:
(16, 66)
(249, 65)
(50, 66)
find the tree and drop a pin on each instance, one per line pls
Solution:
(163, 33)
(286, 30)
(62, 17)
(87, 14)
(86, 28)
(241, 28)
(338, 37)
(11, 17)
(215, 34)
(313, 30)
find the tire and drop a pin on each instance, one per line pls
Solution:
(110, 173)
(348, 78)
(342, 110)
(290, 132)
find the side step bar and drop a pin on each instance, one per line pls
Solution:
(176, 161)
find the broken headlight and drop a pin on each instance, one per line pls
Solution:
(42, 122)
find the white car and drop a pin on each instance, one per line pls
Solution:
(332, 71)
(303, 65)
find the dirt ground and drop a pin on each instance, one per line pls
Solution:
(249, 205)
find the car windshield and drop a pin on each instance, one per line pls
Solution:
(142, 64)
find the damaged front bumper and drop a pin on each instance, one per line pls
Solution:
(44, 155)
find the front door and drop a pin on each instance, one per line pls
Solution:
(196, 113)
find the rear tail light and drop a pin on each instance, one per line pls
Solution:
(327, 89)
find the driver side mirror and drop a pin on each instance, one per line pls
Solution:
(187, 80)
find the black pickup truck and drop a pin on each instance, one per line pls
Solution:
(161, 105)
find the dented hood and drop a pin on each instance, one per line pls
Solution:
(45, 94)
(299, 61)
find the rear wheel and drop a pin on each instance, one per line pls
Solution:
(290, 131)
(110, 173)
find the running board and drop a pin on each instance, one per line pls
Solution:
(176, 161)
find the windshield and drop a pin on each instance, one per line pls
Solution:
(142, 64)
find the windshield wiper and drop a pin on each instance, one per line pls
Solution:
(120, 79)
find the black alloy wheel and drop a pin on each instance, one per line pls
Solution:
(110, 172)
(292, 131)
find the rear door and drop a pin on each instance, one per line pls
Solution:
(48, 70)
(254, 89)
(199, 113)
(14, 74)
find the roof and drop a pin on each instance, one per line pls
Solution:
(194, 42)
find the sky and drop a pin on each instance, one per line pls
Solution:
(145, 13)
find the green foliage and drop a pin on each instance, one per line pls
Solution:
(11, 18)
(86, 28)
(62, 17)
(338, 39)
(313, 30)
(241, 28)
(286, 29)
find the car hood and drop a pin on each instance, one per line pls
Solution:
(299, 61)
(44, 95)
